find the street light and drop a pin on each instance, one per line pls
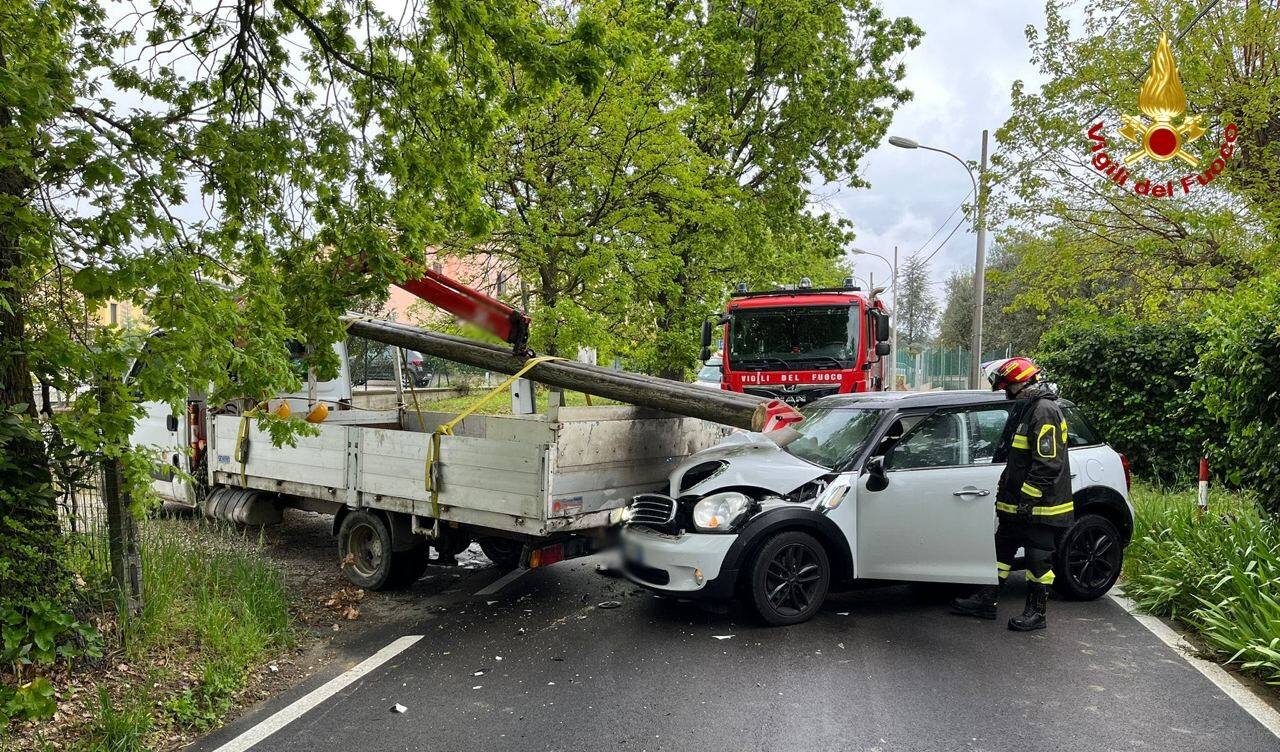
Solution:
(980, 229)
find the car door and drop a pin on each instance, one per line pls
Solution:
(935, 520)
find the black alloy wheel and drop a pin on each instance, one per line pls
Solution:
(789, 578)
(1089, 558)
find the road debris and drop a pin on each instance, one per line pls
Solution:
(398, 708)
(722, 636)
(608, 604)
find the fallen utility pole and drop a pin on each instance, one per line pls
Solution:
(729, 408)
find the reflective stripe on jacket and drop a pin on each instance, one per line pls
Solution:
(1038, 473)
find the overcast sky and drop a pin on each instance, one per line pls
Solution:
(961, 74)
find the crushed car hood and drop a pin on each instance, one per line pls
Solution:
(749, 459)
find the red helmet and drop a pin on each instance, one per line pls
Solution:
(1004, 373)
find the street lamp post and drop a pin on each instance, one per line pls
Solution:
(980, 229)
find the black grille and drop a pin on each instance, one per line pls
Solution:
(652, 509)
(801, 396)
(648, 574)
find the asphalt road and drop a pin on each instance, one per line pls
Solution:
(541, 666)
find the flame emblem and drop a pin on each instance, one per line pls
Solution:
(1162, 99)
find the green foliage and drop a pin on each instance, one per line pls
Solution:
(242, 177)
(30, 543)
(34, 635)
(630, 210)
(1133, 381)
(1219, 573)
(1237, 381)
(27, 702)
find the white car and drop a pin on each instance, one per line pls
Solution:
(710, 374)
(883, 486)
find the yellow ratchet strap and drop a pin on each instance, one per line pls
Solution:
(446, 429)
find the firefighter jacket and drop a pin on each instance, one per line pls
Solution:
(1037, 477)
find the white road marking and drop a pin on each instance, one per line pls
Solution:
(292, 712)
(503, 581)
(1263, 713)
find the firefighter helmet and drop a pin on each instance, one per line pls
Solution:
(1004, 373)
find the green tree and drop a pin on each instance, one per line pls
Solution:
(242, 171)
(1137, 254)
(631, 212)
(916, 306)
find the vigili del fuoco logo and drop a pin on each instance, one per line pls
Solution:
(1162, 136)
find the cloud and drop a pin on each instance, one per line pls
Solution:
(960, 75)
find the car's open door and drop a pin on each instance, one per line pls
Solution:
(935, 520)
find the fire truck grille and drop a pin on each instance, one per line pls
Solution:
(800, 395)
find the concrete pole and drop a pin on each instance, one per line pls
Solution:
(980, 269)
(893, 321)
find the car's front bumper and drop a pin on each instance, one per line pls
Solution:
(688, 565)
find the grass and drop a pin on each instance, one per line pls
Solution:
(1218, 573)
(214, 609)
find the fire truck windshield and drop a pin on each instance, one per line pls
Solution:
(798, 336)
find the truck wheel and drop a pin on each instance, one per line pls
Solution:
(364, 547)
(504, 552)
(789, 578)
(1088, 559)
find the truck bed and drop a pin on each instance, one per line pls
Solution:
(530, 474)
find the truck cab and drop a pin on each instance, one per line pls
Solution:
(803, 343)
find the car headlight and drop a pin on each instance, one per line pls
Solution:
(720, 511)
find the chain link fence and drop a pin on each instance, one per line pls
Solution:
(935, 368)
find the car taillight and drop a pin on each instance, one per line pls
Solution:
(1128, 476)
(417, 362)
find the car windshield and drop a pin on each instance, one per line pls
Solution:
(709, 373)
(793, 334)
(829, 437)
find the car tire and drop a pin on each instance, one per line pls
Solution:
(504, 552)
(1088, 559)
(789, 578)
(364, 548)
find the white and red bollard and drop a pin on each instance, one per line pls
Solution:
(1203, 499)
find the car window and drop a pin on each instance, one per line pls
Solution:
(828, 437)
(951, 437)
(1079, 432)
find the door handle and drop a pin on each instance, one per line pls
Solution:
(970, 491)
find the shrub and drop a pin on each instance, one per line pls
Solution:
(1219, 573)
(1239, 383)
(1133, 381)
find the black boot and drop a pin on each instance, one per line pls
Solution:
(1033, 615)
(982, 603)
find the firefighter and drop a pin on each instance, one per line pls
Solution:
(1033, 500)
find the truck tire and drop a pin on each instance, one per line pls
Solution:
(1088, 559)
(364, 548)
(789, 578)
(503, 552)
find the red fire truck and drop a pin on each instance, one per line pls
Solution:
(803, 343)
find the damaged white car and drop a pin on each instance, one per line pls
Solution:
(878, 486)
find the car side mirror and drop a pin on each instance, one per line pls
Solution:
(877, 480)
(171, 422)
(706, 340)
(882, 349)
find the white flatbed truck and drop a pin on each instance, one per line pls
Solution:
(530, 489)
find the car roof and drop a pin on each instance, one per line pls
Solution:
(913, 400)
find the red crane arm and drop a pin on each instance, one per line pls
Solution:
(469, 304)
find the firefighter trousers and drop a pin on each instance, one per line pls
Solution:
(1036, 539)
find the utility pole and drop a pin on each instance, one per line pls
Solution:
(980, 269)
(893, 320)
